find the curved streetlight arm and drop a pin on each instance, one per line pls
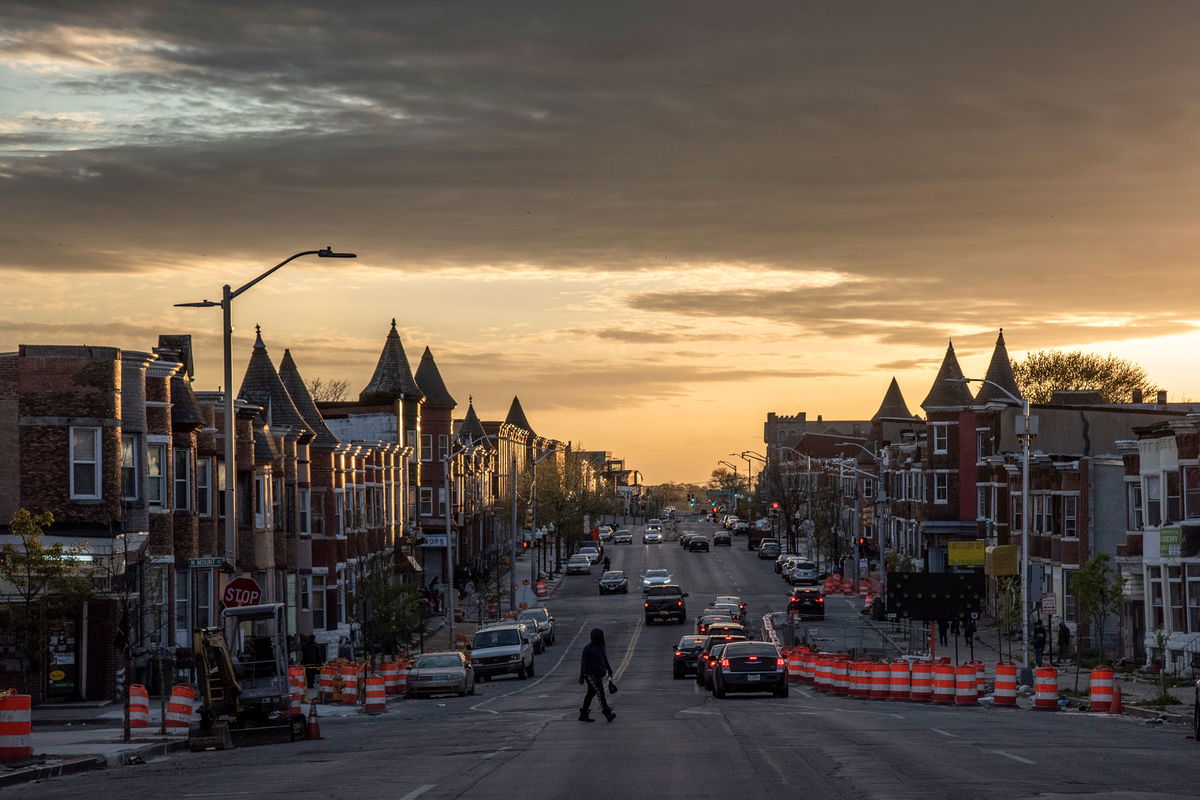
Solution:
(754, 455)
(859, 446)
(327, 252)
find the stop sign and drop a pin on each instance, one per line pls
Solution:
(241, 592)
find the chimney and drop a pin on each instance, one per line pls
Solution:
(1137, 395)
(1162, 397)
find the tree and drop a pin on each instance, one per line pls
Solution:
(825, 510)
(566, 497)
(45, 579)
(328, 390)
(729, 484)
(391, 609)
(1041, 373)
(1097, 588)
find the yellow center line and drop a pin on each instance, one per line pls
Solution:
(637, 632)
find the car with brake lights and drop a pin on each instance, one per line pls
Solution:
(686, 652)
(664, 602)
(749, 667)
(704, 659)
(806, 602)
(722, 539)
(697, 543)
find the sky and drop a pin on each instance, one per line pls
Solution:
(653, 222)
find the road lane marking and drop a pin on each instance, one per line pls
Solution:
(417, 792)
(1014, 758)
(557, 664)
(944, 733)
(897, 716)
(637, 632)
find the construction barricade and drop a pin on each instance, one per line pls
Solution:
(980, 678)
(376, 695)
(807, 665)
(847, 586)
(1045, 688)
(881, 680)
(16, 726)
(864, 588)
(899, 679)
(824, 673)
(841, 675)
(832, 584)
(965, 685)
(139, 706)
(859, 679)
(922, 682)
(539, 588)
(390, 671)
(402, 677)
(794, 662)
(1101, 692)
(181, 707)
(349, 675)
(1005, 693)
(296, 689)
(943, 683)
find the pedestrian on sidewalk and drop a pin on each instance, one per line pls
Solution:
(593, 669)
(943, 629)
(1039, 642)
(1064, 639)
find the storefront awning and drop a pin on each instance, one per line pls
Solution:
(407, 565)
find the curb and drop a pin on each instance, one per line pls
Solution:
(39, 772)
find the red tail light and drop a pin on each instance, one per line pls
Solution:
(678, 653)
(753, 658)
(679, 603)
(820, 599)
(647, 605)
(779, 662)
(724, 662)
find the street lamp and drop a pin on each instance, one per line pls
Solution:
(745, 455)
(1026, 672)
(533, 524)
(226, 304)
(735, 483)
(880, 497)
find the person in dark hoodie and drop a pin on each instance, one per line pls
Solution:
(593, 669)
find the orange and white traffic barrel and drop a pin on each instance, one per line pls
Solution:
(921, 681)
(325, 682)
(16, 726)
(1045, 688)
(139, 706)
(965, 683)
(899, 679)
(1006, 684)
(881, 680)
(402, 677)
(847, 586)
(795, 663)
(943, 683)
(824, 673)
(1101, 693)
(864, 588)
(296, 686)
(808, 661)
(180, 708)
(859, 680)
(539, 588)
(349, 676)
(376, 695)
(980, 677)
(390, 671)
(831, 585)
(841, 675)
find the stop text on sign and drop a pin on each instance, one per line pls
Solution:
(241, 592)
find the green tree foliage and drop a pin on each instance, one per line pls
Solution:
(825, 506)
(40, 580)
(567, 495)
(391, 610)
(1041, 373)
(1097, 588)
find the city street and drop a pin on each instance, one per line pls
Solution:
(669, 740)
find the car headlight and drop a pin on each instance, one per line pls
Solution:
(515, 657)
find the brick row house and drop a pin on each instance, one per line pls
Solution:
(955, 475)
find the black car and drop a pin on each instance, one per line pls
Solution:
(704, 658)
(806, 602)
(697, 543)
(749, 667)
(722, 539)
(685, 538)
(685, 655)
(665, 602)
(614, 582)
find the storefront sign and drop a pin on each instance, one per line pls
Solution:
(966, 554)
(1170, 541)
(434, 540)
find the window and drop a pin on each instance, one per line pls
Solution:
(941, 438)
(1153, 495)
(868, 488)
(410, 438)
(1017, 509)
(1156, 595)
(443, 446)
(1070, 613)
(129, 470)
(85, 463)
(156, 474)
(277, 516)
(182, 479)
(260, 501)
(1193, 597)
(426, 501)
(1174, 497)
(360, 497)
(221, 484)
(1191, 492)
(941, 488)
(1175, 582)
(204, 595)
(426, 446)
(204, 487)
(1070, 526)
(318, 603)
(1050, 516)
(302, 502)
(1039, 506)
(317, 510)
(305, 591)
(1134, 507)
(339, 511)
(441, 502)
(183, 621)
(983, 443)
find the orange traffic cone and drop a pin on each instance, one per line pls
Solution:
(1115, 707)
(313, 730)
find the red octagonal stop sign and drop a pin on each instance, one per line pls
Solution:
(241, 592)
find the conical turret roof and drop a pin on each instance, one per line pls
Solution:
(948, 392)
(1000, 374)
(471, 429)
(290, 376)
(262, 386)
(893, 405)
(516, 416)
(429, 380)
(393, 379)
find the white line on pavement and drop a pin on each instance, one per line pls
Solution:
(944, 733)
(637, 632)
(417, 792)
(1014, 758)
(557, 664)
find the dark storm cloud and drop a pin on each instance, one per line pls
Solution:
(990, 148)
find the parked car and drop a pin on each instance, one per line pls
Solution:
(606, 533)
(782, 562)
(728, 521)
(623, 537)
(533, 634)
(579, 564)
(750, 667)
(685, 655)
(802, 571)
(655, 577)
(722, 539)
(501, 650)
(591, 551)
(544, 619)
(614, 582)
(665, 602)
(697, 543)
(441, 673)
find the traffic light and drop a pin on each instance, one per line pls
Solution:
(775, 506)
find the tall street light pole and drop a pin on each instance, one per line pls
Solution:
(227, 297)
(749, 492)
(733, 491)
(1026, 673)
(880, 497)
(533, 525)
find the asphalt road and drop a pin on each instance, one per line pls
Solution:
(520, 739)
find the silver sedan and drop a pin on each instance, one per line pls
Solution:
(441, 673)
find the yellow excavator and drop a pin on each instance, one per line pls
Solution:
(242, 671)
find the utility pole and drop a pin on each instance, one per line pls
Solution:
(512, 541)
